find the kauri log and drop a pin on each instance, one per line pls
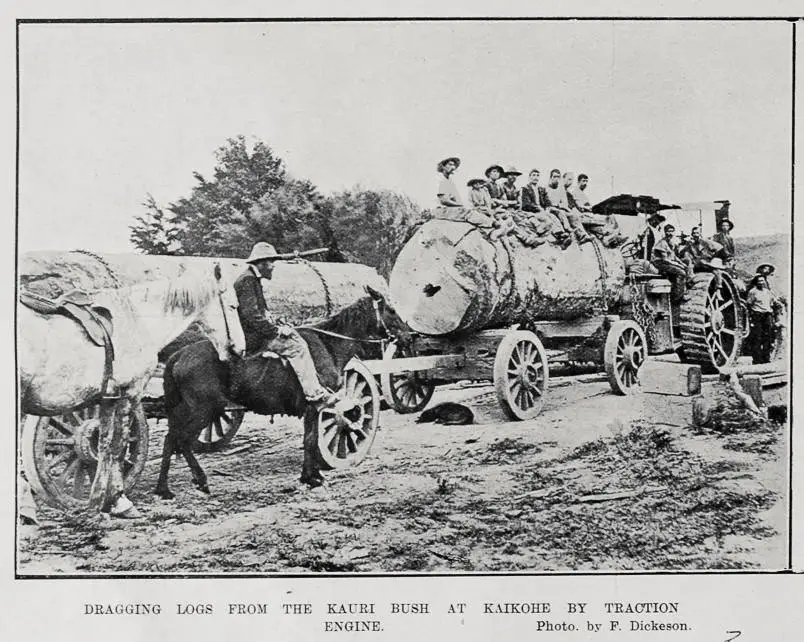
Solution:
(451, 278)
(297, 292)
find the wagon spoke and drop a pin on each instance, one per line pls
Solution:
(359, 389)
(68, 471)
(78, 479)
(341, 445)
(351, 381)
(66, 456)
(60, 442)
(63, 428)
(327, 424)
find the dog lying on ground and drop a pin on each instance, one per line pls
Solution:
(447, 413)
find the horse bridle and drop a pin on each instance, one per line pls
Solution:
(380, 323)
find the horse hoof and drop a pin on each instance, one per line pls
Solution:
(164, 494)
(313, 481)
(202, 486)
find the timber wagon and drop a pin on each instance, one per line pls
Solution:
(484, 310)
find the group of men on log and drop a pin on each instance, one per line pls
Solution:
(534, 213)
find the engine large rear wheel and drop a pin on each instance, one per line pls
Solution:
(711, 322)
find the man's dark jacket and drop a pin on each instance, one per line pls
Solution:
(532, 200)
(257, 325)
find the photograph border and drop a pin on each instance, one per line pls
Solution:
(793, 20)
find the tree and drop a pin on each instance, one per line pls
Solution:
(155, 232)
(251, 197)
(216, 219)
(371, 225)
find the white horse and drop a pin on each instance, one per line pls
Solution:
(60, 369)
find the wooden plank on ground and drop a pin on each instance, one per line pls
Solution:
(667, 378)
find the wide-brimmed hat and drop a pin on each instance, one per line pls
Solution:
(715, 263)
(454, 159)
(475, 181)
(511, 171)
(655, 215)
(771, 268)
(726, 220)
(263, 251)
(497, 167)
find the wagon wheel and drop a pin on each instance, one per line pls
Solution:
(406, 392)
(60, 454)
(220, 431)
(347, 430)
(521, 374)
(623, 356)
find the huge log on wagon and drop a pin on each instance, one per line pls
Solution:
(451, 278)
(300, 292)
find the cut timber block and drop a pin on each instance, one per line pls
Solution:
(666, 378)
(752, 385)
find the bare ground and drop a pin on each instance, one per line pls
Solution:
(496, 496)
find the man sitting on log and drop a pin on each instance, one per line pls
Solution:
(447, 192)
(263, 333)
(602, 226)
(669, 265)
(493, 174)
(534, 222)
(557, 204)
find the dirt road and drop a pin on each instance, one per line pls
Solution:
(595, 482)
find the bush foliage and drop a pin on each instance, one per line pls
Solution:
(251, 197)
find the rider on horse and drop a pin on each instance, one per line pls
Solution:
(264, 333)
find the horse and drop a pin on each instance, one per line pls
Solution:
(198, 386)
(61, 370)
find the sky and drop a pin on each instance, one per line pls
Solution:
(684, 111)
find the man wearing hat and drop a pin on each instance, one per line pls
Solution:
(665, 260)
(723, 238)
(493, 174)
(652, 234)
(761, 307)
(262, 331)
(510, 192)
(447, 192)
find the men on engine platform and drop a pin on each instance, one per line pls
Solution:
(723, 238)
(666, 261)
(698, 251)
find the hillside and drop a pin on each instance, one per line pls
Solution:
(775, 249)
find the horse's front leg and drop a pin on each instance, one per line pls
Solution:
(311, 474)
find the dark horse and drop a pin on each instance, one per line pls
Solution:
(199, 386)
